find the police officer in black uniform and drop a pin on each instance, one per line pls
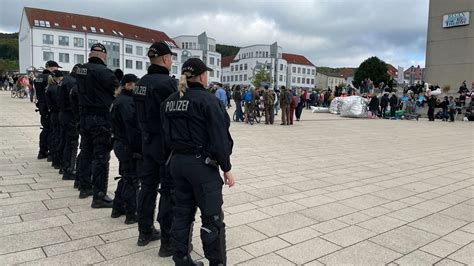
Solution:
(40, 84)
(52, 101)
(68, 123)
(196, 134)
(151, 91)
(127, 148)
(96, 86)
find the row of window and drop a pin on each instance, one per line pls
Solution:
(138, 49)
(63, 57)
(302, 80)
(257, 54)
(212, 61)
(235, 78)
(304, 71)
(238, 67)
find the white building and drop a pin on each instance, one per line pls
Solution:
(66, 38)
(201, 47)
(324, 81)
(241, 68)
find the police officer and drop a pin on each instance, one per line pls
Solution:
(52, 101)
(151, 91)
(96, 85)
(40, 84)
(196, 132)
(127, 147)
(68, 124)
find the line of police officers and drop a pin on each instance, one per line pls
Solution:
(169, 138)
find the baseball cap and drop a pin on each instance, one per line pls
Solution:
(52, 64)
(128, 78)
(195, 66)
(57, 74)
(98, 47)
(159, 49)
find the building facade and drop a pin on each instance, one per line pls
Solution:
(204, 48)
(242, 68)
(413, 75)
(66, 38)
(450, 42)
(324, 81)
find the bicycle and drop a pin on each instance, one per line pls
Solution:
(19, 92)
(255, 116)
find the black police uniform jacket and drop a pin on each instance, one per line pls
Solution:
(198, 121)
(151, 90)
(96, 85)
(40, 84)
(52, 97)
(124, 122)
(64, 91)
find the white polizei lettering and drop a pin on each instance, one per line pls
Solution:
(177, 106)
(140, 90)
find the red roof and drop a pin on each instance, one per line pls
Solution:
(347, 72)
(65, 21)
(225, 61)
(297, 59)
(392, 71)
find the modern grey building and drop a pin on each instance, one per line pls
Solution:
(450, 43)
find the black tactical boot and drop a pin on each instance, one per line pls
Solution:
(186, 261)
(146, 237)
(116, 213)
(42, 155)
(68, 176)
(131, 218)
(84, 193)
(102, 201)
(165, 249)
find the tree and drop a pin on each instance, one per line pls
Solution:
(262, 76)
(374, 69)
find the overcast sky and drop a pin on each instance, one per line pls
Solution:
(328, 32)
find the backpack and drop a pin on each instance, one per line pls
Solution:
(248, 96)
(287, 98)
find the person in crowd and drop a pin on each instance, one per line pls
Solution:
(268, 101)
(393, 105)
(276, 104)
(431, 100)
(249, 96)
(295, 100)
(300, 105)
(452, 108)
(285, 101)
(237, 96)
(221, 94)
(374, 106)
(52, 101)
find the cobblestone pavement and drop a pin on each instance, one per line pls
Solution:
(327, 190)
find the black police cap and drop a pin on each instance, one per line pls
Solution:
(195, 66)
(98, 47)
(57, 74)
(128, 78)
(52, 63)
(159, 49)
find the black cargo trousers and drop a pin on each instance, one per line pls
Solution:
(95, 130)
(198, 185)
(154, 174)
(45, 127)
(69, 142)
(125, 199)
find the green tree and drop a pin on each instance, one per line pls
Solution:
(372, 68)
(262, 76)
(227, 50)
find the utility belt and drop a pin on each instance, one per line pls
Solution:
(198, 153)
(87, 110)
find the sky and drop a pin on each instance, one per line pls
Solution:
(335, 33)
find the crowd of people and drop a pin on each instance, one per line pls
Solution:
(154, 125)
(19, 83)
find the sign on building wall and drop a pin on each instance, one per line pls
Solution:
(456, 19)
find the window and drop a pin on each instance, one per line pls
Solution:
(231, 68)
(307, 81)
(293, 79)
(281, 67)
(312, 81)
(217, 74)
(63, 58)
(294, 69)
(211, 74)
(174, 58)
(232, 78)
(116, 62)
(78, 42)
(304, 71)
(245, 77)
(223, 79)
(84, 28)
(218, 62)
(93, 29)
(101, 30)
(115, 47)
(139, 50)
(236, 77)
(90, 42)
(48, 39)
(128, 63)
(48, 56)
(241, 67)
(298, 80)
(36, 23)
(63, 40)
(174, 70)
(299, 70)
(281, 78)
(128, 48)
(266, 54)
(245, 66)
(211, 60)
(312, 72)
(302, 80)
(138, 65)
(78, 59)
(240, 77)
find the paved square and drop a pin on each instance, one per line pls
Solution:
(327, 190)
